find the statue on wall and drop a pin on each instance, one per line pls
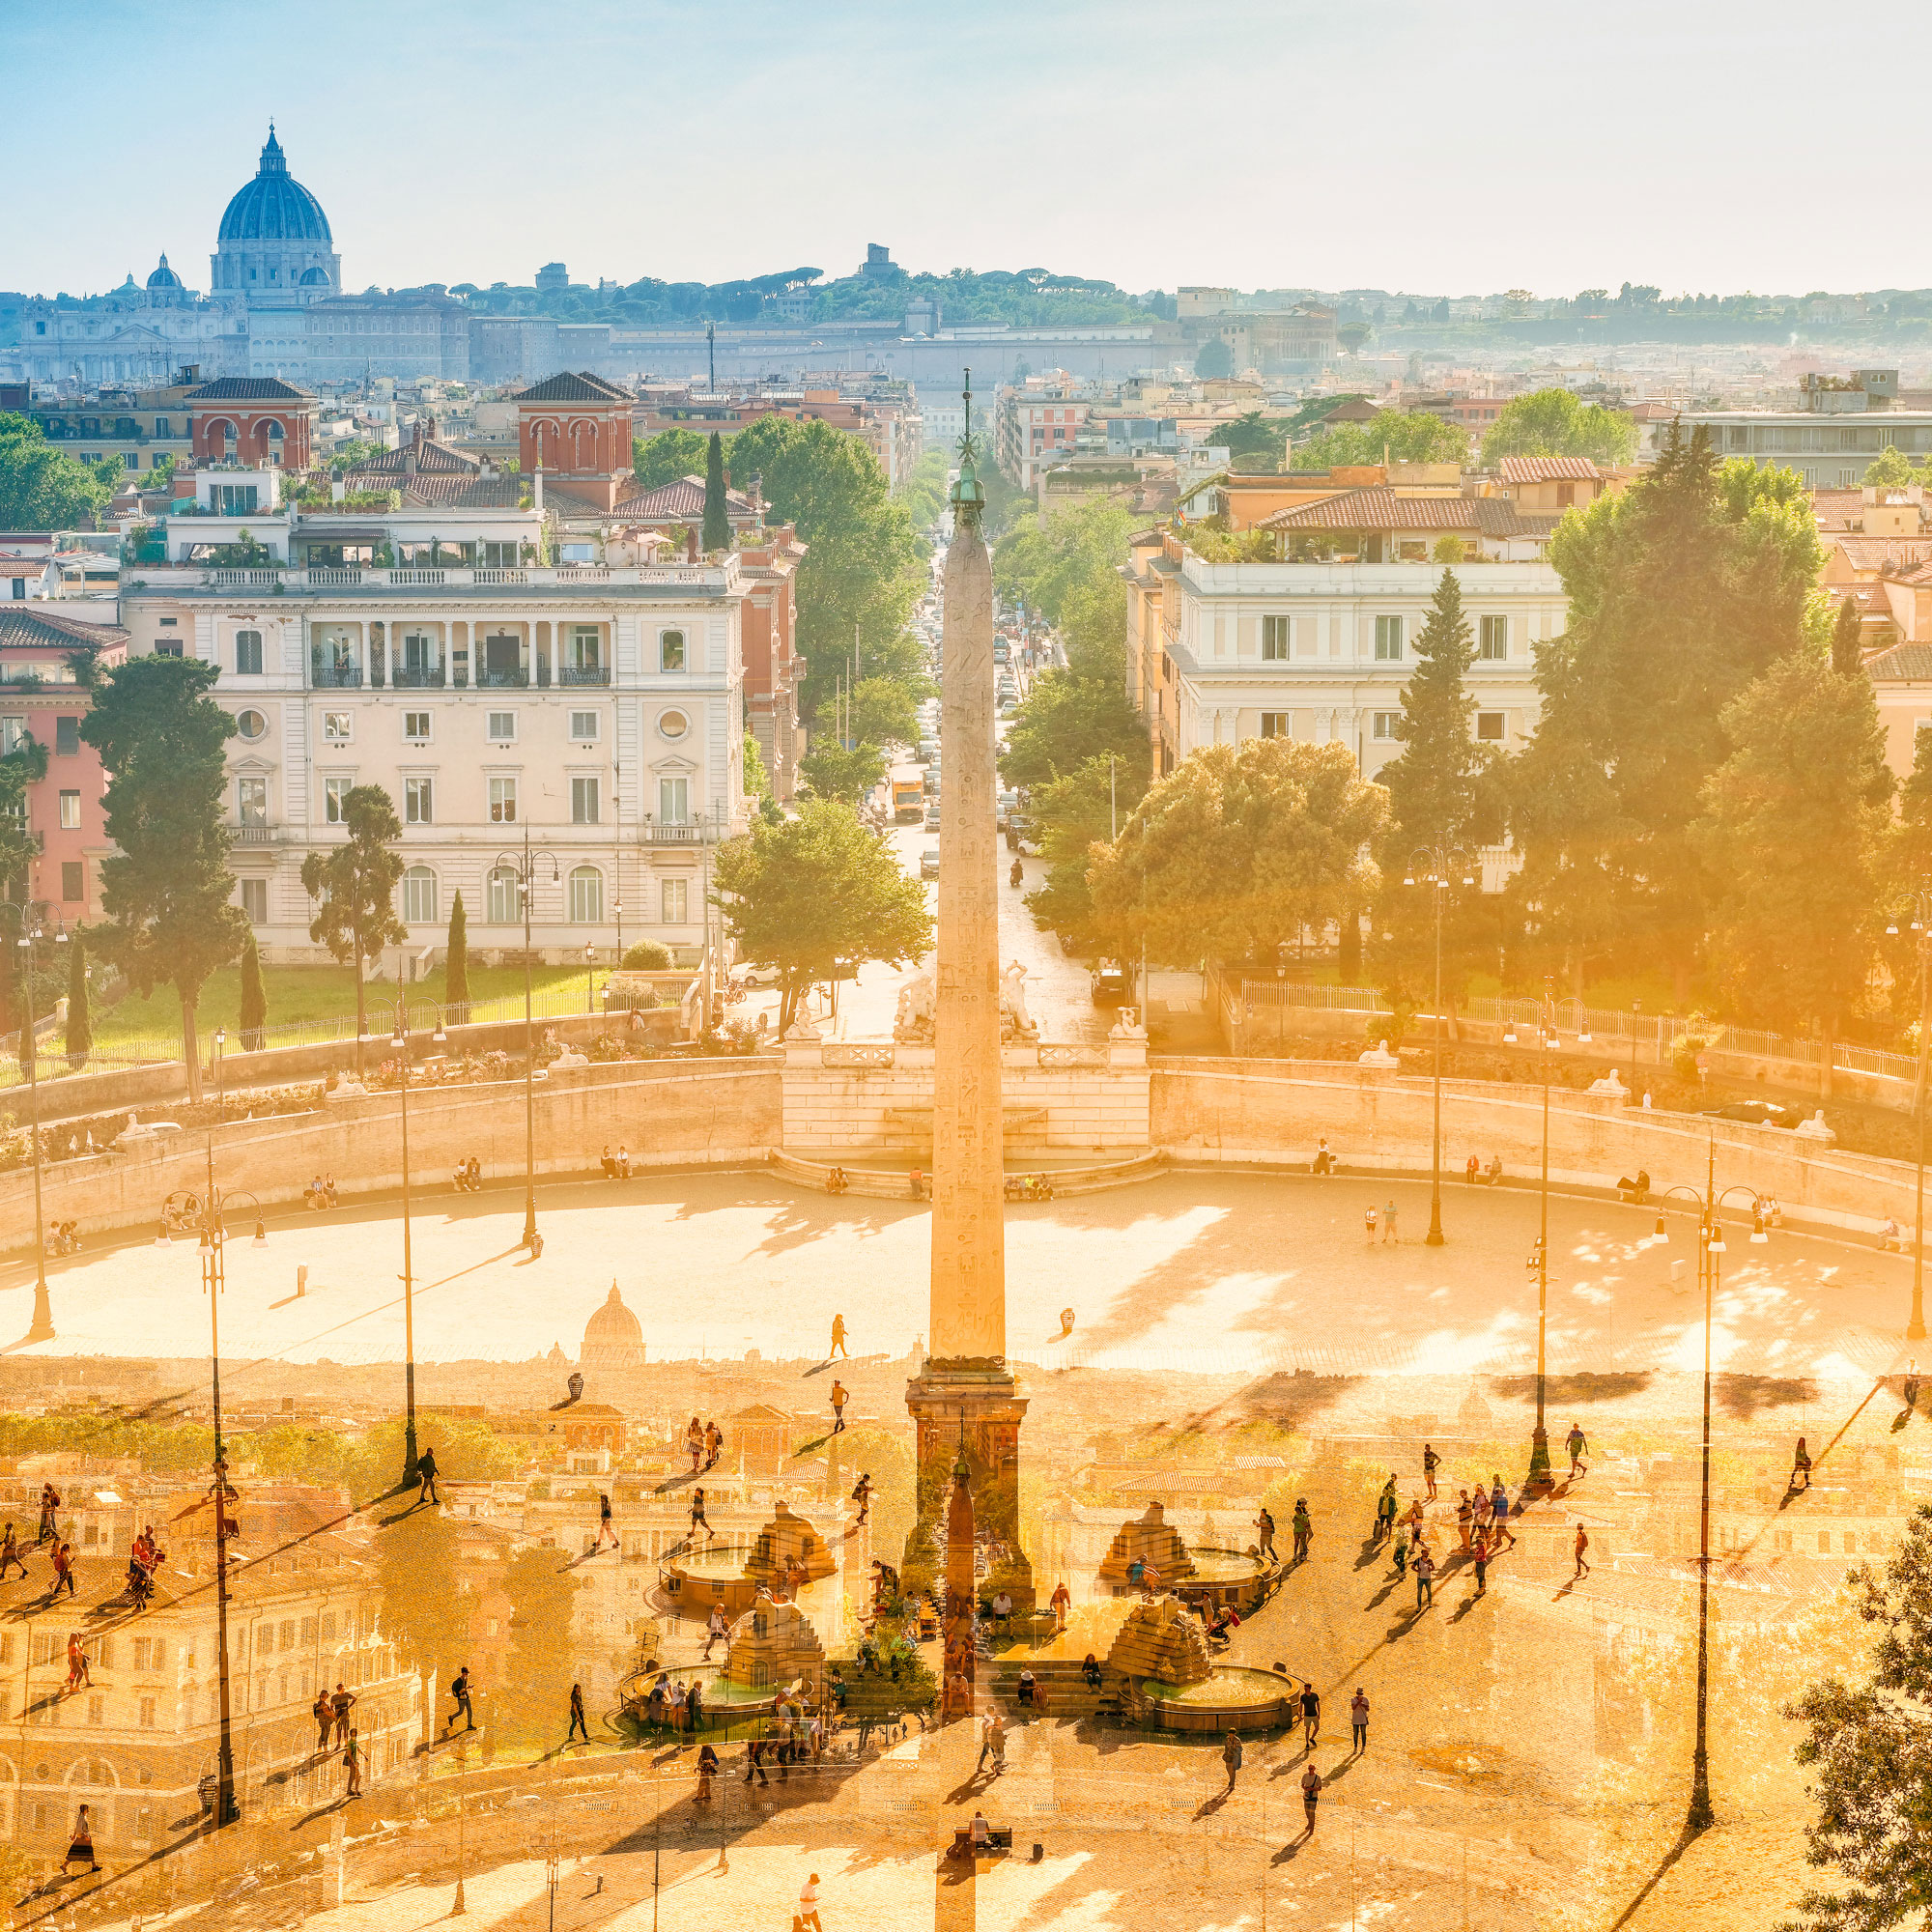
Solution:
(1012, 1000)
(918, 1003)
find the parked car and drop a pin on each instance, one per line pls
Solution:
(928, 863)
(1002, 807)
(1109, 982)
(755, 974)
(932, 816)
(1756, 1113)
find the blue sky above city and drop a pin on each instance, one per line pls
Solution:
(1718, 146)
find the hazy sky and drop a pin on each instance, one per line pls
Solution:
(1554, 144)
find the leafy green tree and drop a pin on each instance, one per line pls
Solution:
(817, 891)
(881, 711)
(79, 1012)
(1214, 359)
(1683, 589)
(26, 764)
(456, 964)
(353, 886)
(1070, 816)
(845, 774)
(716, 533)
(1847, 638)
(43, 489)
(166, 887)
(883, 1455)
(1065, 722)
(1891, 470)
(1239, 848)
(1796, 824)
(924, 491)
(1554, 422)
(1045, 565)
(254, 1013)
(1436, 797)
(1254, 442)
(758, 782)
(664, 457)
(1412, 436)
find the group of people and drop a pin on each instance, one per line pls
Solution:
(64, 1238)
(674, 1707)
(1029, 1187)
(616, 1166)
(144, 1557)
(703, 1442)
(334, 1732)
(1475, 1173)
(319, 1192)
(468, 1176)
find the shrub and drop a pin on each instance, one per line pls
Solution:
(648, 956)
(1697, 1033)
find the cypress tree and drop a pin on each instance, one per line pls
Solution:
(1846, 655)
(12, 1006)
(717, 525)
(79, 1018)
(254, 998)
(456, 965)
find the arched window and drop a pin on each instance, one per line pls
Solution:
(670, 650)
(249, 653)
(506, 898)
(420, 897)
(587, 897)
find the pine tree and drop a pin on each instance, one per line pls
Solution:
(717, 525)
(456, 965)
(1846, 651)
(79, 1016)
(254, 998)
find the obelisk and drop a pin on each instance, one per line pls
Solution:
(965, 1400)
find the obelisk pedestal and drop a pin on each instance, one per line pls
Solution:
(965, 1403)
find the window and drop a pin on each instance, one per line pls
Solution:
(73, 881)
(130, 459)
(673, 725)
(507, 908)
(670, 650)
(249, 653)
(587, 897)
(502, 801)
(1387, 725)
(674, 801)
(251, 800)
(97, 1713)
(1274, 639)
(419, 801)
(416, 727)
(146, 1718)
(334, 792)
(66, 737)
(583, 726)
(69, 810)
(670, 900)
(1490, 727)
(418, 651)
(162, 427)
(1388, 639)
(339, 727)
(1493, 639)
(582, 800)
(503, 728)
(418, 909)
(11, 731)
(584, 647)
(1274, 724)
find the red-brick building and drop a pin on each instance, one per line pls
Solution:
(578, 428)
(253, 419)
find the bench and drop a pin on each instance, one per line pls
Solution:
(999, 1838)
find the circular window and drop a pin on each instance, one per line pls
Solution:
(251, 724)
(673, 724)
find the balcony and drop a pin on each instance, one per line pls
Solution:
(336, 677)
(503, 680)
(417, 677)
(583, 674)
(254, 835)
(672, 835)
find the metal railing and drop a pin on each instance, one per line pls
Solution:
(583, 674)
(336, 677)
(422, 678)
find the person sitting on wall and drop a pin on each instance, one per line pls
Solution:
(609, 1165)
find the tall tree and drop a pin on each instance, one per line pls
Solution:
(1847, 638)
(535, 1691)
(1554, 422)
(41, 488)
(1682, 591)
(666, 457)
(253, 1017)
(845, 772)
(79, 1012)
(1070, 816)
(1795, 823)
(1436, 798)
(1396, 435)
(456, 964)
(817, 891)
(716, 533)
(1237, 849)
(353, 885)
(165, 889)
(26, 764)
(881, 711)
(1067, 720)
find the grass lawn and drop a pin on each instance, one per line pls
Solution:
(321, 993)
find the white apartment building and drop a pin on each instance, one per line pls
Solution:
(1321, 652)
(598, 709)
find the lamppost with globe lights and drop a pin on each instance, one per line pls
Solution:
(1709, 1206)
(33, 921)
(522, 867)
(1437, 866)
(1540, 1482)
(1920, 904)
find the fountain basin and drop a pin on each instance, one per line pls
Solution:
(703, 1579)
(1229, 1577)
(1233, 1697)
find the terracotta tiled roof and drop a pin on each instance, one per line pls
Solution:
(431, 457)
(1380, 508)
(1885, 552)
(464, 493)
(1837, 509)
(248, 389)
(19, 625)
(1549, 470)
(566, 388)
(682, 499)
(1903, 664)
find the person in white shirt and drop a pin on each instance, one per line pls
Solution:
(808, 1904)
(715, 1629)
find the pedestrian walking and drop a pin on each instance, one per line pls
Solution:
(1401, 1554)
(50, 1503)
(862, 1494)
(1358, 1721)
(707, 1770)
(352, 1760)
(1311, 1794)
(9, 1554)
(1481, 1566)
(76, 1664)
(426, 1470)
(1801, 1466)
(81, 1845)
(1385, 1509)
(63, 1561)
(1311, 1712)
(715, 1630)
(694, 1442)
(1582, 1544)
(755, 1763)
(838, 1347)
(807, 1905)
(714, 1444)
(839, 1398)
(1231, 1756)
(999, 1746)
(1388, 1222)
(698, 1521)
(325, 1719)
(576, 1725)
(1431, 1461)
(1265, 1522)
(1480, 1503)
(1425, 1577)
(1578, 1447)
(1303, 1525)
(604, 1524)
(1060, 1601)
(985, 1743)
(459, 1689)
(1499, 1512)
(340, 1705)
(1369, 1222)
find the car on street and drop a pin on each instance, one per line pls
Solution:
(754, 976)
(928, 863)
(1109, 982)
(1756, 1113)
(1004, 805)
(932, 816)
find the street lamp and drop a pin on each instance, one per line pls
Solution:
(1921, 904)
(34, 921)
(221, 1041)
(1636, 1011)
(522, 867)
(1710, 1247)
(1540, 1482)
(1437, 866)
(400, 1039)
(589, 978)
